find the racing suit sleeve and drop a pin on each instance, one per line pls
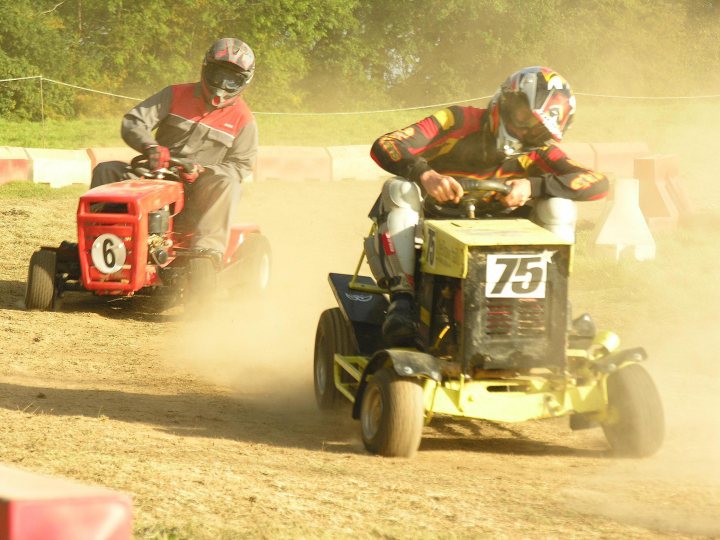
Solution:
(553, 174)
(240, 159)
(139, 123)
(405, 152)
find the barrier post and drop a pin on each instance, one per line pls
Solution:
(624, 225)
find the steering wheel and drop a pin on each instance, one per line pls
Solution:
(140, 167)
(474, 190)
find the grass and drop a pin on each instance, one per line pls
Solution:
(675, 289)
(42, 192)
(70, 134)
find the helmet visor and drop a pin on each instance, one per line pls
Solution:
(226, 78)
(521, 122)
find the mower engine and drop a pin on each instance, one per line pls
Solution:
(125, 234)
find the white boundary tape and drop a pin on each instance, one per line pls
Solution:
(378, 111)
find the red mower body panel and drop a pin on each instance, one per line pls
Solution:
(129, 227)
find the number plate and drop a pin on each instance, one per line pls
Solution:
(108, 253)
(517, 276)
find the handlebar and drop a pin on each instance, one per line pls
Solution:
(140, 167)
(473, 185)
(473, 189)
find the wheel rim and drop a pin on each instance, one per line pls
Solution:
(264, 272)
(372, 408)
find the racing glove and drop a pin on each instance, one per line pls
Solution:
(190, 173)
(158, 156)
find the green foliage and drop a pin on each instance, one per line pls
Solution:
(19, 100)
(325, 55)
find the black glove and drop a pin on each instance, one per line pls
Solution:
(158, 156)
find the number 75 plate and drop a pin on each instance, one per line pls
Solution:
(517, 276)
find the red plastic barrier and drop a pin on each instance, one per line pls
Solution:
(293, 163)
(15, 164)
(37, 507)
(120, 153)
(581, 153)
(618, 159)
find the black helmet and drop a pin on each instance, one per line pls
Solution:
(228, 67)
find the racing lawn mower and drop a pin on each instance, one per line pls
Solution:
(496, 340)
(127, 245)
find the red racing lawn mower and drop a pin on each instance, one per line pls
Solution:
(128, 244)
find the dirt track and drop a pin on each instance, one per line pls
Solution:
(210, 424)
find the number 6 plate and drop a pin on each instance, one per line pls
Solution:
(517, 276)
(108, 253)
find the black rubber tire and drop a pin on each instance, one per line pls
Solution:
(637, 422)
(256, 264)
(201, 281)
(40, 292)
(333, 336)
(392, 414)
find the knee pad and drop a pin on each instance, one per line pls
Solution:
(391, 252)
(398, 193)
(556, 215)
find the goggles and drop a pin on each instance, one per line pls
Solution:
(522, 123)
(225, 78)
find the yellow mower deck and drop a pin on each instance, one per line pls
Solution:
(498, 399)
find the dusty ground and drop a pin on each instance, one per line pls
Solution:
(210, 424)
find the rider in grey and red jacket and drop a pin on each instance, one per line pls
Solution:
(207, 124)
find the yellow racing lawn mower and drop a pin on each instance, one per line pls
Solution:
(496, 341)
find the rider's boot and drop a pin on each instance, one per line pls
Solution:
(400, 328)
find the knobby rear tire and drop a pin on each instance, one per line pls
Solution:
(333, 336)
(41, 292)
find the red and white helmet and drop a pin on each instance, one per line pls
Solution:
(534, 106)
(228, 67)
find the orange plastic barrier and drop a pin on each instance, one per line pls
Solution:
(618, 159)
(15, 164)
(581, 153)
(354, 163)
(293, 163)
(662, 197)
(101, 155)
(34, 507)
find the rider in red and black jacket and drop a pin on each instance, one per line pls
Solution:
(511, 141)
(464, 141)
(207, 124)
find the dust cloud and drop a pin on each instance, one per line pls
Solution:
(264, 346)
